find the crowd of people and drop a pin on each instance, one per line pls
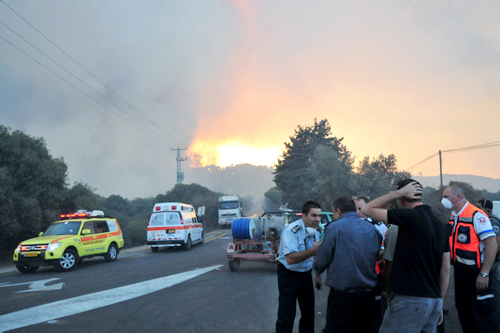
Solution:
(387, 264)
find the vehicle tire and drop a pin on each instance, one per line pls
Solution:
(234, 264)
(202, 239)
(154, 248)
(186, 246)
(68, 261)
(26, 269)
(112, 253)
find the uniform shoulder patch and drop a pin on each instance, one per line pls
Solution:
(296, 228)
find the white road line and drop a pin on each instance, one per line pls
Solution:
(68, 307)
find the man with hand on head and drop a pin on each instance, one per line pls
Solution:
(421, 263)
(349, 253)
(474, 248)
(299, 243)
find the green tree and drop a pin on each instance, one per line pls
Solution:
(80, 196)
(333, 178)
(273, 199)
(377, 176)
(32, 186)
(118, 207)
(292, 174)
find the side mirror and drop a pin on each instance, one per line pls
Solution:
(85, 231)
(40, 234)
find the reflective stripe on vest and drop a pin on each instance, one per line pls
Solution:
(464, 243)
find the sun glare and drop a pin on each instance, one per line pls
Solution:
(227, 153)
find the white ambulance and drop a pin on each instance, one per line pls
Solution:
(174, 224)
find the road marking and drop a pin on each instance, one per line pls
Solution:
(211, 239)
(36, 285)
(75, 305)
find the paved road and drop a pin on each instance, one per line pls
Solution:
(171, 290)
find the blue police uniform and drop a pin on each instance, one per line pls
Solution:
(295, 281)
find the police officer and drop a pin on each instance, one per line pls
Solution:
(299, 243)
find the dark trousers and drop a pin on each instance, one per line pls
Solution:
(350, 312)
(295, 286)
(476, 312)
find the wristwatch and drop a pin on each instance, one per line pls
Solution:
(485, 275)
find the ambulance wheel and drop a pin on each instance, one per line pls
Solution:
(202, 239)
(234, 264)
(186, 246)
(26, 269)
(112, 253)
(154, 248)
(68, 261)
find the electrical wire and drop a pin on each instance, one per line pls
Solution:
(457, 150)
(76, 62)
(428, 158)
(67, 71)
(71, 84)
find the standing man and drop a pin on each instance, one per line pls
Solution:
(349, 252)
(421, 266)
(487, 207)
(474, 248)
(379, 266)
(297, 248)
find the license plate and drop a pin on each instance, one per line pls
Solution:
(171, 231)
(30, 254)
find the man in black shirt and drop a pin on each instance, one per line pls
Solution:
(421, 265)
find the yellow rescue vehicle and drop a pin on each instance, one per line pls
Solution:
(67, 242)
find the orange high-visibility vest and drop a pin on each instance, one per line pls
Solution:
(464, 242)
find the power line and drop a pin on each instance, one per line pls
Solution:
(480, 146)
(428, 158)
(71, 84)
(104, 97)
(76, 62)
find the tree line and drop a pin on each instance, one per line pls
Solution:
(34, 192)
(34, 187)
(316, 165)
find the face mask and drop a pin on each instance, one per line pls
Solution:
(311, 231)
(446, 203)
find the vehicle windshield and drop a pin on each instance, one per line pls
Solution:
(63, 228)
(229, 205)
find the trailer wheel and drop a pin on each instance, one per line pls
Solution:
(234, 264)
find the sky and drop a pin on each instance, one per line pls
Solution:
(230, 81)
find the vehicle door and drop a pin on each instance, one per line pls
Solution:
(88, 241)
(196, 225)
(101, 234)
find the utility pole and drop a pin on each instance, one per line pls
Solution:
(441, 169)
(180, 175)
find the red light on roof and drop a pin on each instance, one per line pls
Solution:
(157, 208)
(81, 214)
(174, 207)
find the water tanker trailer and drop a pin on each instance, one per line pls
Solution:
(256, 238)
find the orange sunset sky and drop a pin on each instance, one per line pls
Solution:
(390, 80)
(231, 81)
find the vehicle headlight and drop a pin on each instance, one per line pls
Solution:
(53, 246)
(18, 248)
